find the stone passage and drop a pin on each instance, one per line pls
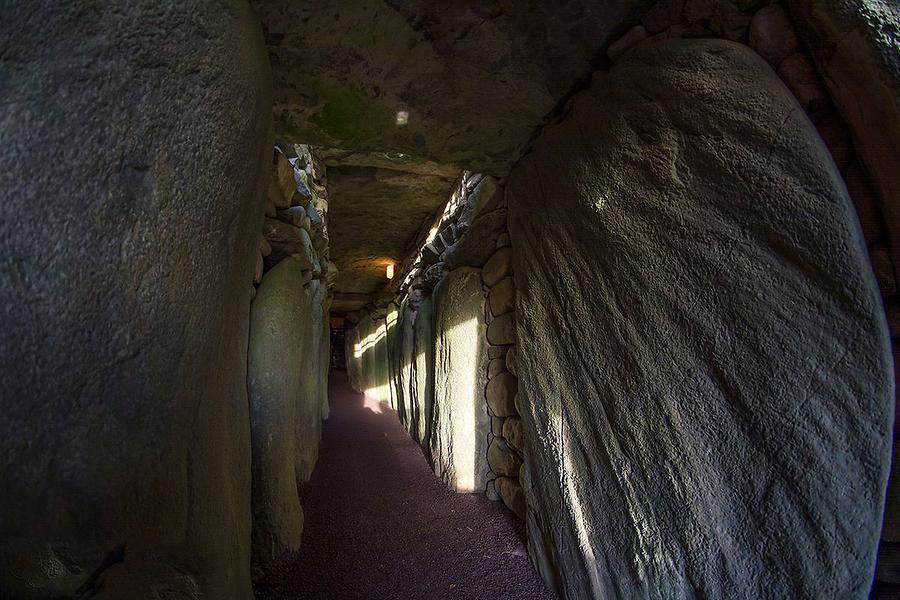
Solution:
(628, 269)
(379, 524)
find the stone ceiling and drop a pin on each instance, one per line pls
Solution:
(367, 230)
(400, 90)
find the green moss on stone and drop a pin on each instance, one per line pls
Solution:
(348, 116)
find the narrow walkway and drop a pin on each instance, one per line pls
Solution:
(378, 523)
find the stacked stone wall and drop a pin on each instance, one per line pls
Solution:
(810, 49)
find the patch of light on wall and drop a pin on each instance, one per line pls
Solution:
(465, 406)
(575, 506)
(402, 118)
(368, 342)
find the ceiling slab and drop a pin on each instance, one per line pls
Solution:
(374, 215)
(458, 83)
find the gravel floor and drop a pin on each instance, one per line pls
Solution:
(379, 524)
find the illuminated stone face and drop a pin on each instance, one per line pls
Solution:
(461, 421)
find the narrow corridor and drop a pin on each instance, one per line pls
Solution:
(625, 273)
(379, 524)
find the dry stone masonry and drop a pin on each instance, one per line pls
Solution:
(289, 350)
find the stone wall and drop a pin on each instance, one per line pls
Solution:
(135, 145)
(706, 386)
(460, 424)
(367, 356)
(841, 61)
(450, 338)
(289, 349)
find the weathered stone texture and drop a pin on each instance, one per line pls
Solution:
(135, 144)
(856, 48)
(281, 340)
(424, 382)
(500, 395)
(704, 338)
(394, 349)
(502, 330)
(496, 366)
(510, 491)
(502, 297)
(415, 422)
(371, 351)
(497, 267)
(512, 432)
(502, 460)
(461, 421)
(511, 360)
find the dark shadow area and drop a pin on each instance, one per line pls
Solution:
(379, 524)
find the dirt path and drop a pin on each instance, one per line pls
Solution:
(379, 524)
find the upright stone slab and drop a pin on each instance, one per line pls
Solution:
(461, 420)
(394, 350)
(324, 365)
(309, 399)
(705, 380)
(352, 357)
(136, 147)
(281, 335)
(424, 350)
(407, 373)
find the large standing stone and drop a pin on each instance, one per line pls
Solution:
(407, 335)
(323, 367)
(281, 335)
(461, 421)
(709, 397)
(135, 159)
(372, 353)
(352, 357)
(394, 350)
(424, 350)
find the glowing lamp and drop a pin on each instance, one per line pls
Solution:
(389, 272)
